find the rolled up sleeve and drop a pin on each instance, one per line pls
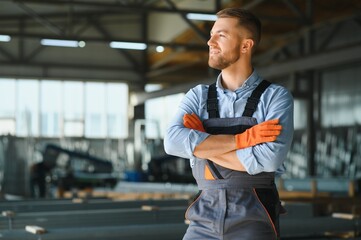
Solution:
(270, 156)
(179, 140)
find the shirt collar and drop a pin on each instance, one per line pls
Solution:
(249, 81)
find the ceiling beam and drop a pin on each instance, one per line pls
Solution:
(173, 68)
(252, 4)
(60, 71)
(43, 21)
(108, 38)
(328, 39)
(204, 37)
(276, 43)
(6, 54)
(316, 61)
(296, 10)
(129, 8)
(34, 53)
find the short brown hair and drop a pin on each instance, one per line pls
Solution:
(246, 19)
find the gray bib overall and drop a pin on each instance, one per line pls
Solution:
(232, 205)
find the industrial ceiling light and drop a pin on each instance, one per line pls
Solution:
(201, 16)
(5, 38)
(159, 49)
(62, 43)
(128, 45)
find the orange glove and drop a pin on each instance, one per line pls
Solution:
(192, 121)
(264, 132)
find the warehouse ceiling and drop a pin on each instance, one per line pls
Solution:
(97, 23)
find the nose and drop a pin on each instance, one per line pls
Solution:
(210, 41)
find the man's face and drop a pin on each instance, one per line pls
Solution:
(224, 43)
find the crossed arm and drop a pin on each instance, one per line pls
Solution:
(221, 149)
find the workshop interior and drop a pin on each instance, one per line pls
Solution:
(88, 88)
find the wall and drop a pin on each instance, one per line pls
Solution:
(338, 140)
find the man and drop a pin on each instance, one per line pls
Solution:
(237, 133)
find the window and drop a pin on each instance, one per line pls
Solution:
(73, 121)
(56, 109)
(341, 97)
(161, 111)
(95, 110)
(300, 118)
(117, 110)
(50, 108)
(27, 115)
(7, 106)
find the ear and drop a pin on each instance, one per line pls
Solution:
(247, 45)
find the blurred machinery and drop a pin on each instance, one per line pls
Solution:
(68, 169)
(147, 160)
(170, 169)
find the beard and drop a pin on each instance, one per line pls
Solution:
(220, 62)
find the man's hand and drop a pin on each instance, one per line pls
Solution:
(264, 132)
(192, 121)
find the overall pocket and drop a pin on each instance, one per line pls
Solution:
(195, 200)
(269, 200)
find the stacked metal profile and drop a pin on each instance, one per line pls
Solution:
(95, 219)
(107, 219)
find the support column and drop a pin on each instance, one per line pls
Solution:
(309, 48)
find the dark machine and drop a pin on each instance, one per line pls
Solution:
(168, 168)
(67, 169)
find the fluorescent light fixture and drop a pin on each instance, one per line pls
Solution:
(5, 38)
(128, 45)
(200, 16)
(62, 43)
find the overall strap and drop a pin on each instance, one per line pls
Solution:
(212, 109)
(253, 100)
(212, 102)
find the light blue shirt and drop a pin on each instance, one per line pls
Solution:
(275, 102)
